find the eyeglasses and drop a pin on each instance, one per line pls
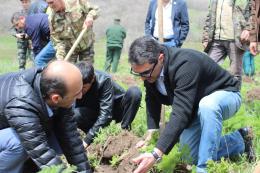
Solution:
(147, 73)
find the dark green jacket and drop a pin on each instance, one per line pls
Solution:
(115, 36)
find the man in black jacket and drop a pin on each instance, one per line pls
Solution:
(202, 95)
(102, 101)
(36, 119)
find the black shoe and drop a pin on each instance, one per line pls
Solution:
(247, 134)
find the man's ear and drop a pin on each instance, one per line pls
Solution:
(55, 98)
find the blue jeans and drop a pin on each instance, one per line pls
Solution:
(203, 136)
(45, 55)
(12, 153)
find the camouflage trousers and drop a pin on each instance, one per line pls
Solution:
(85, 55)
(23, 52)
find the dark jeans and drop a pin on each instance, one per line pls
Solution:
(124, 111)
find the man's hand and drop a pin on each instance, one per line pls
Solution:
(20, 35)
(244, 37)
(88, 22)
(145, 162)
(253, 48)
(205, 44)
(148, 137)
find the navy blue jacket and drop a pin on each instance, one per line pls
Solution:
(180, 20)
(37, 28)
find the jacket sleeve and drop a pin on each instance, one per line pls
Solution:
(183, 106)
(90, 9)
(45, 29)
(23, 117)
(69, 139)
(184, 23)
(205, 35)
(253, 22)
(105, 114)
(153, 107)
(147, 29)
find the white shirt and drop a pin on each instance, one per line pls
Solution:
(167, 22)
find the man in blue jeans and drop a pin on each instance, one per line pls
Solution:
(202, 95)
(36, 26)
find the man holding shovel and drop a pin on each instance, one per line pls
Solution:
(67, 18)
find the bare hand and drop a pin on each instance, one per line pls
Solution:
(145, 162)
(244, 36)
(88, 22)
(205, 44)
(141, 144)
(19, 35)
(253, 48)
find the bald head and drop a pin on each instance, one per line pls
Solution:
(61, 78)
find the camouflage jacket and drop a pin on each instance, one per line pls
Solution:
(255, 21)
(66, 26)
(239, 23)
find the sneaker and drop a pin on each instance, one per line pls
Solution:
(247, 134)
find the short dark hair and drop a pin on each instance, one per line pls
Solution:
(144, 49)
(87, 71)
(16, 16)
(50, 85)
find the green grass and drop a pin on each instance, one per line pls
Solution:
(248, 115)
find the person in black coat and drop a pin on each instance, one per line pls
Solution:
(36, 118)
(104, 100)
(202, 96)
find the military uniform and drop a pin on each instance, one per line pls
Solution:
(24, 49)
(66, 26)
(115, 39)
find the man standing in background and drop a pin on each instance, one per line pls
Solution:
(225, 27)
(67, 18)
(23, 42)
(115, 39)
(175, 22)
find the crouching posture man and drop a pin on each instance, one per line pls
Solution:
(36, 119)
(102, 101)
(202, 95)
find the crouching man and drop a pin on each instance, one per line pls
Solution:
(36, 119)
(104, 100)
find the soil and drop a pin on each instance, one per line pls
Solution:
(122, 145)
(253, 94)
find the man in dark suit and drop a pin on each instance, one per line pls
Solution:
(202, 96)
(104, 100)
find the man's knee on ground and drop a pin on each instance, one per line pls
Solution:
(135, 93)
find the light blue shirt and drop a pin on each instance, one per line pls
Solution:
(50, 112)
(160, 84)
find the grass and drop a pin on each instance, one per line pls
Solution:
(248, 115)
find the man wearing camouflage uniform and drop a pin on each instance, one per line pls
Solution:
(23, 42)
(67, 19)
(224, 29)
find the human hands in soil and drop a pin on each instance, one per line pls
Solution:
(145, 162)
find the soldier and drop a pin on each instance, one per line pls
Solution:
(23, 42)
(67, 18)
(115, 38)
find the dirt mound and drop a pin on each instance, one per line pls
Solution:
(123, 147)
(253, 94)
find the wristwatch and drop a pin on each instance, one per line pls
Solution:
(156, 156)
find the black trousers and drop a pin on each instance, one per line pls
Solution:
(124, 111)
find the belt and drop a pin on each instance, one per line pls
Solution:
(164, 39)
